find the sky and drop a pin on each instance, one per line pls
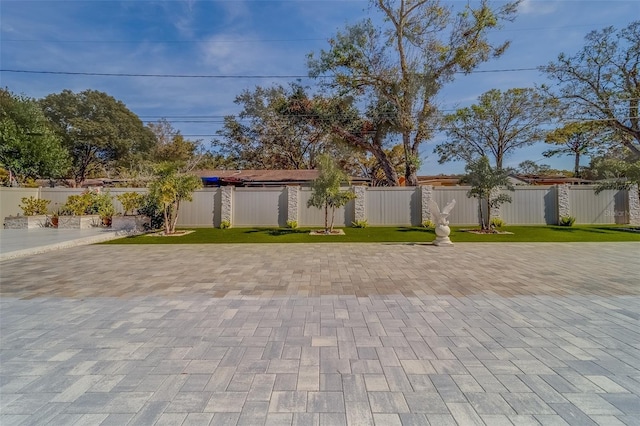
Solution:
(249, 43)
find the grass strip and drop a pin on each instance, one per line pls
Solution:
(592, 233)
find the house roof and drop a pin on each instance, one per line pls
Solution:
(263, 177)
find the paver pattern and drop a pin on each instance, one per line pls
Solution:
(322, 334)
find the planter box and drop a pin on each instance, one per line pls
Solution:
(129, 224)
(79, 222)
(26, 222)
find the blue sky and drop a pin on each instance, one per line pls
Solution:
(250, 38)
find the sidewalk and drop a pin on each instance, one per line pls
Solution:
(24, 242)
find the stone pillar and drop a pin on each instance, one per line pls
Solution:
(293, 197)
(564, 207)
(226, 208)
(360, 203)
(426, 193)
(634, 205)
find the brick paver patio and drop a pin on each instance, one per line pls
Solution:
(322, 334)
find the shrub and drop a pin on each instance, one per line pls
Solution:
(428, 224)
(150, 207)
(293, 224)
(32, 206)
(360, 223)
(77, 205)
(225, 224)
(566, 220)
(497, 222)
(131, 201)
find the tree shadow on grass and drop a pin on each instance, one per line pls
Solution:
(276, 232)
(416, 229)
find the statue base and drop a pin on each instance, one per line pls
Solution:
(442, 236)
(442, 241)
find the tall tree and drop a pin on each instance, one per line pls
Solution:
(263, 137)
(171, 146)
(497, 125)
(576, 139)
(28, 147)
(421, 46)
(99, 131)
(365, 131)
(602, 82)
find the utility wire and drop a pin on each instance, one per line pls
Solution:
(221, 76)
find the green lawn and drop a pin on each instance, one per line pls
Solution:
(592, 233)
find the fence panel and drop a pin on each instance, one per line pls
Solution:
(312, 216)
(591, 208)
(200, 211)
(465, 211)
(260, 207)
(392, 206)
(11, 199)
(531, 206)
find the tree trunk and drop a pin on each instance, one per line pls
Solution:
(326, 217)
(576, 166)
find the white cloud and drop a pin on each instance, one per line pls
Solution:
(537, 7)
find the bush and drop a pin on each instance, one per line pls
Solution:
(293, 224)
(566, 220)
(32, 206)
(89, 202)
(428, 224)
(497, 222)
(131, 201)
(150, 207)
(360, 223)
(225, 224)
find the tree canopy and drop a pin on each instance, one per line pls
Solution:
(28, 147)
(99, 131)
(577, 139)
(602, 82)
(497, 125)
(399, 68)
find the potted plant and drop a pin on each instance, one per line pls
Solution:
(34, 214)
(102, 204)
(79, 212)
(129, 220)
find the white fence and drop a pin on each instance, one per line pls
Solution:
(535, 205)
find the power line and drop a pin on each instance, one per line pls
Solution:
(213, 76)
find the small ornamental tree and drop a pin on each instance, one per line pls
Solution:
(326, 193)
(170, 188)
(484, 181)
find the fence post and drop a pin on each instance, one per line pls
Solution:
(634, 205)
(226, 208)
(360, 203)
(564, 206)
(293, 197)
(426, 194)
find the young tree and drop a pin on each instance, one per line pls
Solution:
(28, 147)
(575, 139)
(99, 131)
(326, 193)
(170, 188)
(497, 125)
(420, 47)
(485, 182)
(601, 82)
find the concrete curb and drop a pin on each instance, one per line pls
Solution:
(94, 239)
